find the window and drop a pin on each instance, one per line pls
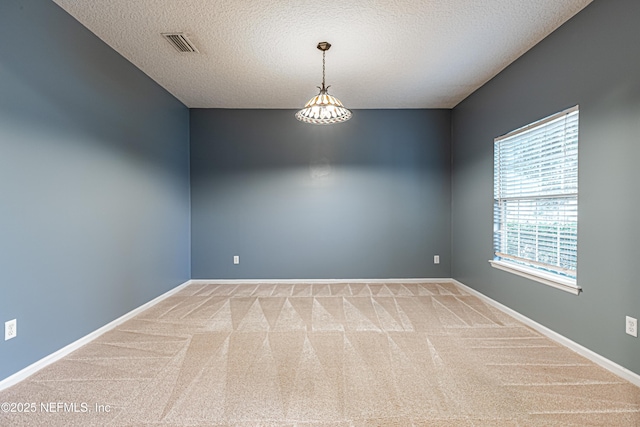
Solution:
(535, 215)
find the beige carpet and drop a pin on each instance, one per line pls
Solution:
(323, 355)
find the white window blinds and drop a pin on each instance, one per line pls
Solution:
(536, 196)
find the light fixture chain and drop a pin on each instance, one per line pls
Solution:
(323, 54)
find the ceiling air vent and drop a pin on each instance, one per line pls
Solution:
(180, 42)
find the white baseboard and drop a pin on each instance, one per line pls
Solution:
(302, 281)
(583, 351)
(609, 365)
(54, 357)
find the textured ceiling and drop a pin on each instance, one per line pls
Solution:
(384, 54)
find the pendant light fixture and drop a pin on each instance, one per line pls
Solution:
(323, 109)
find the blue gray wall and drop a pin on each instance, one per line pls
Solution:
(368, 198)
(592, 61)
(94, 183)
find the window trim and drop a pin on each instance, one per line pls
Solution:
(538, 123)
(563, 283)
(555, 280)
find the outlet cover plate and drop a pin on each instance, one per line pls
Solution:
(632, 326)
(10, 329)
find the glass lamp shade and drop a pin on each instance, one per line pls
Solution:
(323, 109)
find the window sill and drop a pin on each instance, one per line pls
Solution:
(562, 283)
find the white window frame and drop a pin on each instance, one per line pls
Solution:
(555, 276)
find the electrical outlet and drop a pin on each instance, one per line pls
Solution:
(10, 329)
(436, 259)
(632, 326)
(236, 259)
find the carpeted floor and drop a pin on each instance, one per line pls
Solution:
(323, 355)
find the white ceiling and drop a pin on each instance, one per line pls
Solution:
(384, 54)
